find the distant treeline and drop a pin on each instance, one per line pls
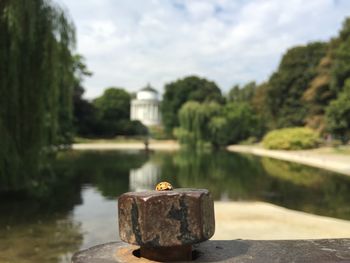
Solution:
(311, 87)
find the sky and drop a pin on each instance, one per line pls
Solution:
(129, 43)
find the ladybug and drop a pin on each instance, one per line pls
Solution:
(164, 186)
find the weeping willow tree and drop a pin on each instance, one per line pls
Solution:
(36, 82)
(194, 117)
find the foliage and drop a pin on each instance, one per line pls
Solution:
(157, 132)
(332, 72)
(291, 139)
(177, 93)
(242, 122)
(213, 123)
(307, 80)
(110, 176)
(287, 85)
(85, 114)
(341, 67)
(194, 118)
(319, 94)
(260, 106)
(114, 104)
(219, 131)
(242, 94)
(113, 109)
(106, 116)
(250, 104)
(249, 141)
(338, 114)
(36, 84)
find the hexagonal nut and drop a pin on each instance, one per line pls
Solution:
(167, 218)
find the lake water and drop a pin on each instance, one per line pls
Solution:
(76, 206)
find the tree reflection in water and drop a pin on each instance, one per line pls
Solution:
(37, 220)
(246, 177)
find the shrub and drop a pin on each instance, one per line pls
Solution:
(291, 139)
(157, 132)
(249, 141)
(338, 115)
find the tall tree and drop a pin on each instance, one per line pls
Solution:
(332, 72)
(242, 94)
(113, 115)
(177, 93)
(114, 104)
(194, 118)
(341, 66)
(338, 114)
(288, 84)
(260, 106)
(215, 124)
(84, 112)
(36, 83)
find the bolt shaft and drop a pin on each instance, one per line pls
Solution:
(167, 254)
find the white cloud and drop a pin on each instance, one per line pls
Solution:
(129, 43)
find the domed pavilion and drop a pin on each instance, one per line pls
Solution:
(145, 108)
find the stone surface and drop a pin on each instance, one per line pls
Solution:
(237, 251)
(166, 218)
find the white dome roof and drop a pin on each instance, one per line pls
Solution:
(147, 93)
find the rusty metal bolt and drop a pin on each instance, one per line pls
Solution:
(161, 222)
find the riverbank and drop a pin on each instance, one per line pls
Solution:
(259, 220)
(325, 158)
(320, 158)
(154, 145)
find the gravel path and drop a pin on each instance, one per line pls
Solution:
(153, 145)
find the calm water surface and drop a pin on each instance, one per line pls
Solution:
(76, 207)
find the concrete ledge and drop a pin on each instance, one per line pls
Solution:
(237, 251)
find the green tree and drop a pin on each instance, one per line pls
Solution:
(242, 122)
(242, 94)
(219, 131)
(341, 66)
(338, 114)
(194, 117)
(177, 93)
(114, 104)
(332, 71)
(288, 84)
(86, 120)
(113, 114)
(319, 93)
(85, 113)
(214, 124)
(261, 108)
(36, 83)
